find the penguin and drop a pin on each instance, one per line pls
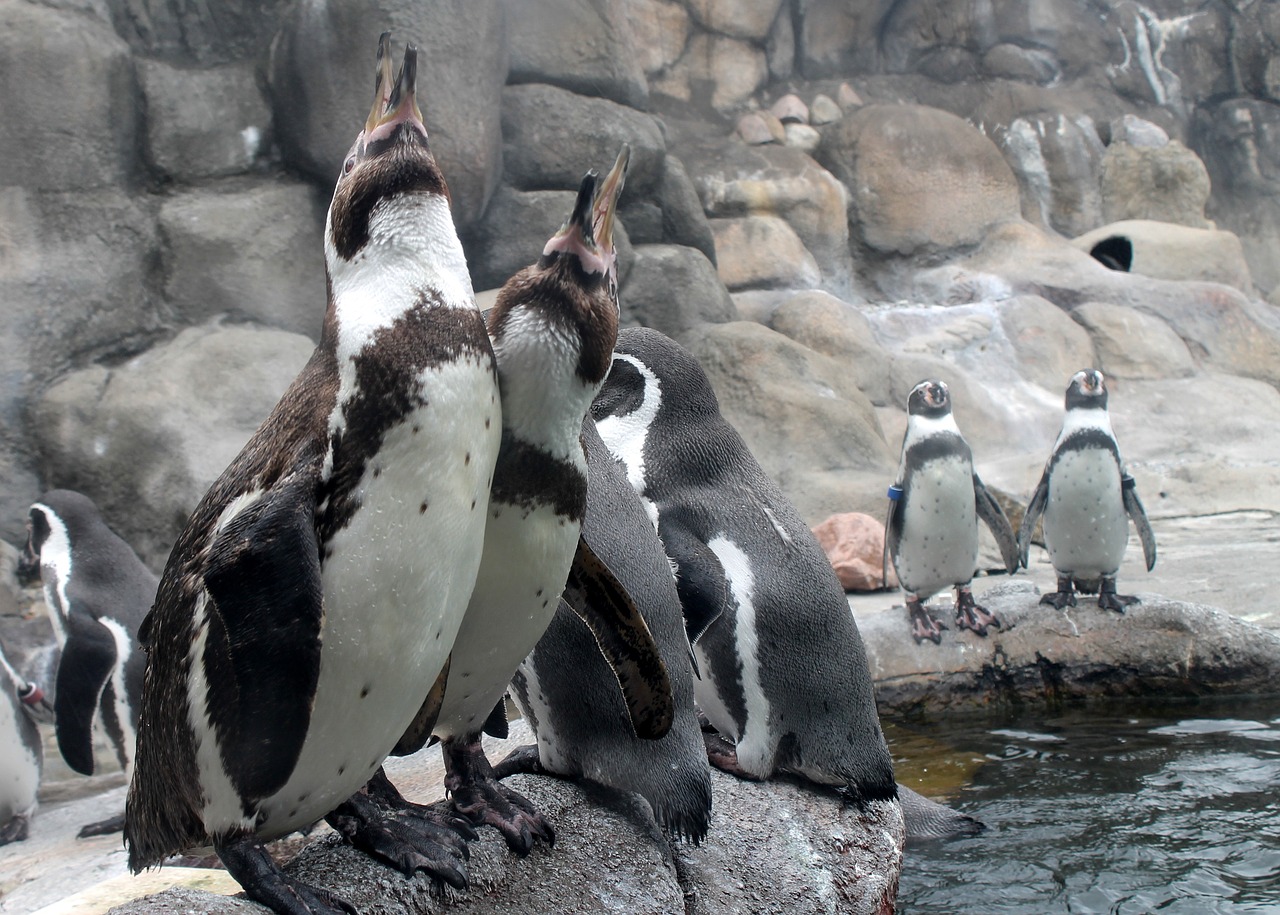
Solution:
(931, 532)
(21, 752)
(566, 692)
(783, 672)
(1087, 499)
(97, 592)
(321, 581)
(553, 328)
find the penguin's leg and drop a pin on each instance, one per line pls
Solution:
(1062, 598)
(406, 836)
(477, 795)
(102, 827)
(972, 615)
(253, 868)
(16, 829)
(923, 624)
(1108, 599)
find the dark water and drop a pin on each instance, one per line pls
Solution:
(1174, 809)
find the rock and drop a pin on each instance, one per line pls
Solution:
(1139, 132)
(683, 220)
(790, 109)
(824, 110)
(1050, 347)
(551, 137)
(513, 232)
(921, 180)
(748, 19)
(785, 399)
(715, 72)
(1029, 65)
(68, 101)
(848, 98)
(803, 137)
(1133, 344)
(1045, 658)
(673, 288)
(734, 180)
(762, 251)
(204, 33)
(1165, 183)
(1058, 161)
(661, 29)
(780, 48)
(757, 128)
(147, 438)
(854, 543)
(253, 251)
(203, 123)
(829, 326)
(835, 38)
(587, 48)
(321, 99)
(1169, 251)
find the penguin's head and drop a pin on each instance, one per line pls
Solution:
(929, 398)
(49, 531)
(389, 163)
(1087, 391)
(652, 373)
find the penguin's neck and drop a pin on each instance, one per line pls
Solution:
(1079, 419)
(543, 397)
(922, 427)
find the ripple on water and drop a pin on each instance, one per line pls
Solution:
(1158, 812)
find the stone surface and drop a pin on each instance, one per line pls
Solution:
(1058, 161)
(203, 123)
(1133, 344)
(513, 232)
(803, 137)
(834, 328)
(147, 438)
(920, 179)
(1169, 251)
(1166, 183)
(715, 72)
(67, 90)
(661, 29)
(762, 252)
(252, 251)
(673, 289)
(758, 128)
(209, 33)
(749, 19)
(322, 71)
(854, 543)
(1049, 345)
(683, 220)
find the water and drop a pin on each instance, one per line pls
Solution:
(1164, 810)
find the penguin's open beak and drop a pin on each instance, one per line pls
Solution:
(577, 235)
(605, 206)
(396, 104)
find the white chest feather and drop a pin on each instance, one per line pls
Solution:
(1085, 525)
(19, 764)
(938, 538)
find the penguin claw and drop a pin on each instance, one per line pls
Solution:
(16, 830)
(409, 840)
(1059, 600)
(253, 868)
(973, 616)
(1109, 600)
(924, 625)
(724, 756)
(479, 797)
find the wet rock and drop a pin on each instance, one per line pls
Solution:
(249, 250)
(834, 328)
(762, 252)
(322, 98)
(920, 179)
(147, 438)
(1165, 183)
(1045, 657)
(587, 48)
(854, 543)
(203, 123)
(1169, 251)
(673, 289)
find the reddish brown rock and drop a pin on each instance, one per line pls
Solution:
(854, 543)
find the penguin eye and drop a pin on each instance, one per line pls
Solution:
(348, 165)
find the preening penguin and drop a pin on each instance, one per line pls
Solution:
(21, 753)
(1087, 499)
(784, 673)
(314, 596)
(931, 532)
(98, 591)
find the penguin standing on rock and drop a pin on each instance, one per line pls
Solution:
(1087, 499)
(553, 328)
(931, 533)
(315, 594)
(783, 672)
(98, 591)
(21, 752)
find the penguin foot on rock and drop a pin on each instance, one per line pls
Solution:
(16, 830)
(477, 795)
(1108, 599)
(972, 615)
(724, 756)
(521, 761)
(102, 827)
(1063, 598)
(253, 868)
(924, 625)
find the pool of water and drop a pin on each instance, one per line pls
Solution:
(1172, 809)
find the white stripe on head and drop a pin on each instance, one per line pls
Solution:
(55, 555)
(626, 435)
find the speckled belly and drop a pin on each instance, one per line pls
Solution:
(939, 543)
(1085, 526)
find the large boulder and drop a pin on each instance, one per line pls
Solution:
(322, 78)
(1134, 344)
(68, 100)
(834, 328)
(715, 73)
(674, 289)
(1167, 183)
(1058, 161)
(921, 180)
(182, 32)
(250, 250)
(755, 252)
(1048, 344)
(147, 438)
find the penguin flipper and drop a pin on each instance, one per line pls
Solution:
(1035, 508)
(496, 725)
(700, 579)
(997, 522)
(1133, 508)
(87, 661)
(596, 595)
(892, 533)
(265, 609)
(419, 731)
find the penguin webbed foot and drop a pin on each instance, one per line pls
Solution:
(924, 625)
(477, 794)
(408, 837)
(16, 830)
(520, 761)
(253, 868)
(972, 615)
(106, 827)
(1108, 599)
(1063, 598)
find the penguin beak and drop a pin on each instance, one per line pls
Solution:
(937, 394)
(393, 106)
(606, 201)
(577, 235)
(27, 571)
